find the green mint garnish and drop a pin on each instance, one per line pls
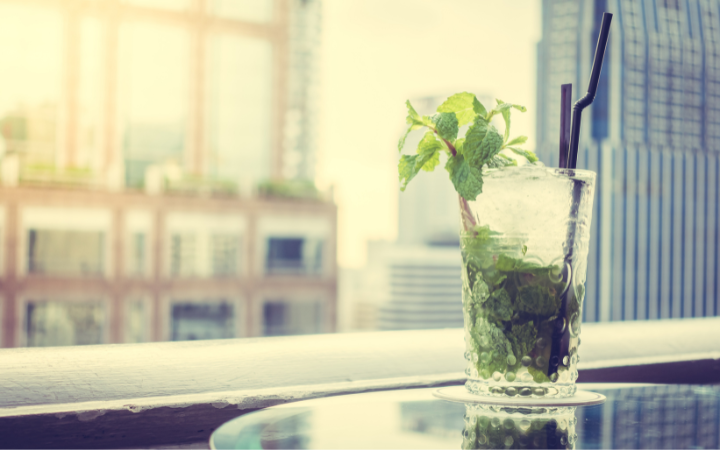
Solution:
(468, 155)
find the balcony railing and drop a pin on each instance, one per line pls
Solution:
(159, 394)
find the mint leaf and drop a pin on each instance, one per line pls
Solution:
(465, 106)
(415, 121)
(538, 375)
(530, 156)
(506, 118)
(406, 169)
(413, 118)
(428, 158)
(478, 294)
(431, 163)
(537, 300)
(492, 339)
(491, 144)
(459, 144)
(505, 263)
(429, 145)
(482, 142)
(474, 138)
(501, 160)
(522, 338)
(502, 107)
(401, 142)
(480, 291)
(518, 140)
(446, 124)
(466, 179)
(499, 305)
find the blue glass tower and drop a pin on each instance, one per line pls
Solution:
(653, 136)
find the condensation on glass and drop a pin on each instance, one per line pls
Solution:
(524, 243)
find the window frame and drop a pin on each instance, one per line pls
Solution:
(200, 23)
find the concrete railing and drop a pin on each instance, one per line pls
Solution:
(129, 395)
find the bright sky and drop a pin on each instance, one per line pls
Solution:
(377, 54)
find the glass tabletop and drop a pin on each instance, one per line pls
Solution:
(633, 416)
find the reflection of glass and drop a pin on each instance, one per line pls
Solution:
(239, 109)
(51, 323)
(206, 320)
(522, 289)
(492, 426)
(291, 317)
(250, 10)
(154, 62)
(31, 45)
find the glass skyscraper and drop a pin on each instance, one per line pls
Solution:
(653, 136)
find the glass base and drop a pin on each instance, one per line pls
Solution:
(519, 389)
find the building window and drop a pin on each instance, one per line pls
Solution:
(202, 320)
(154, 82)
(137, 260)
(55, 323)
(294, 256)
(239, 113)
(65, 253)
(136, 321)
(282, 318)
(249, 10)
(224, 250)
(32, 46)
(177, 5)
(182, 255)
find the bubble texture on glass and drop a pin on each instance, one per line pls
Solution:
(523, 290)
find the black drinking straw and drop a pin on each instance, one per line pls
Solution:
(565, 99)
(592, 89)
(559, 347)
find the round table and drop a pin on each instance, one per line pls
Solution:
(633, 416)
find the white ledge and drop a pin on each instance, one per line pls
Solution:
(252, 373)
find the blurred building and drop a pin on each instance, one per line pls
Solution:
(653, 136)
(155, 158)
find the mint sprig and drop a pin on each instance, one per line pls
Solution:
(467, 155)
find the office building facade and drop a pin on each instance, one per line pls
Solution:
(652, 136)
(134, 135)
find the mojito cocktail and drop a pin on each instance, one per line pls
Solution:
(524, 240)
(524, 245)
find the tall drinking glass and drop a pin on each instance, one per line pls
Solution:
(524, 245)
